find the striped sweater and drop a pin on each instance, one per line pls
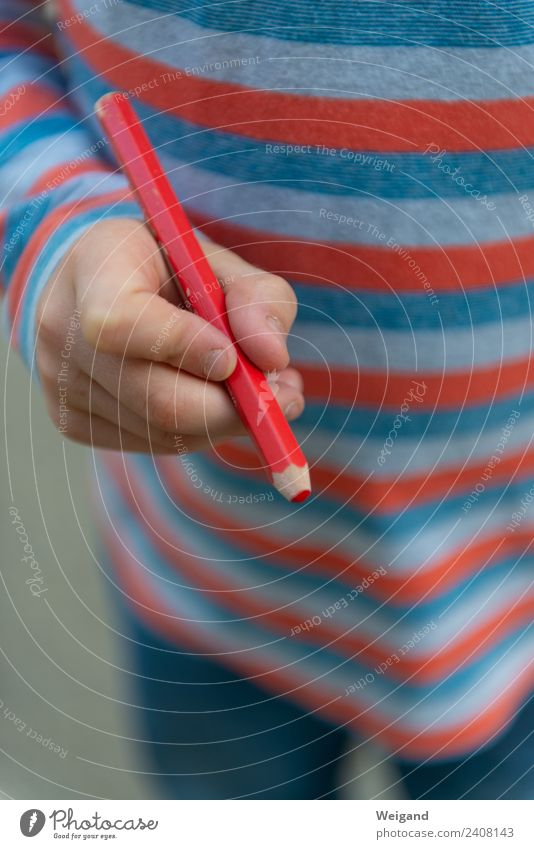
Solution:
(378, 154)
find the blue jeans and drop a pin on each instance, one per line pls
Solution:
(211, 735)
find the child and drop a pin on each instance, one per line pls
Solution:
(378, 157)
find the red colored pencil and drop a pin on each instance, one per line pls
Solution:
(247, 385)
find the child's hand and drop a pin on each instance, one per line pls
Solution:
(132, 376)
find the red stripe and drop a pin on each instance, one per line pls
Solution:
(391, 494)
(18, 36)
(36, 102)
(153, 610)
(432, 667)
(35, 244)
(58, 175)
(376, 269)
(425, 582)
(359, 124)
(447, 391)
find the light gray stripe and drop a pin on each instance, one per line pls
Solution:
(358, 220)
(389, 543)
(428, 707)
(477, 605)
(382, 623)
(404, 551)
(436, 708)
(337, 71)
(440, 537)
(416, 456)
(307, 600)
(422, 351)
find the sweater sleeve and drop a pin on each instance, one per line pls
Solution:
(55, 180)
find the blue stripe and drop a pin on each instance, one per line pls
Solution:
(14, 72)
(383, 524)
(308, 581)
(249, 633)
(245, 160)
(370, 423)
(31, 212)
(21, 135)
(412, 176)
(63, 236)
(410, 311)
(476, 23)
(34, 214)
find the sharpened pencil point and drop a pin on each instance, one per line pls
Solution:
(293, 483)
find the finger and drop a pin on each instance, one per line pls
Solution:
(118, 291)
(177, 402)
(87, 396)
(107, 424)
(92, 430)
(261, 307)
(292, 377)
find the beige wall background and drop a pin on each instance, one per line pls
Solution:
(62, 664)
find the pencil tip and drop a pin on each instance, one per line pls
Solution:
(293, 483)
(301, 496)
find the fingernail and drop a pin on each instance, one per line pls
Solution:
(294, 409)
(216, 364)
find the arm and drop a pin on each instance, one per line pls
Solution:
(54, 180)
(120, 365)
(140, 374)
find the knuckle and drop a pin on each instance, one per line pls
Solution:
(165, 334)
(288, 299)
(78, 386)
(55, 415)
(100, 328)
(277, 291)
(166, 438)
(162, 409)
(279, 283)
(262, 287)
(54, 380)
(173, 347)
(270, 284)
(70, 423)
